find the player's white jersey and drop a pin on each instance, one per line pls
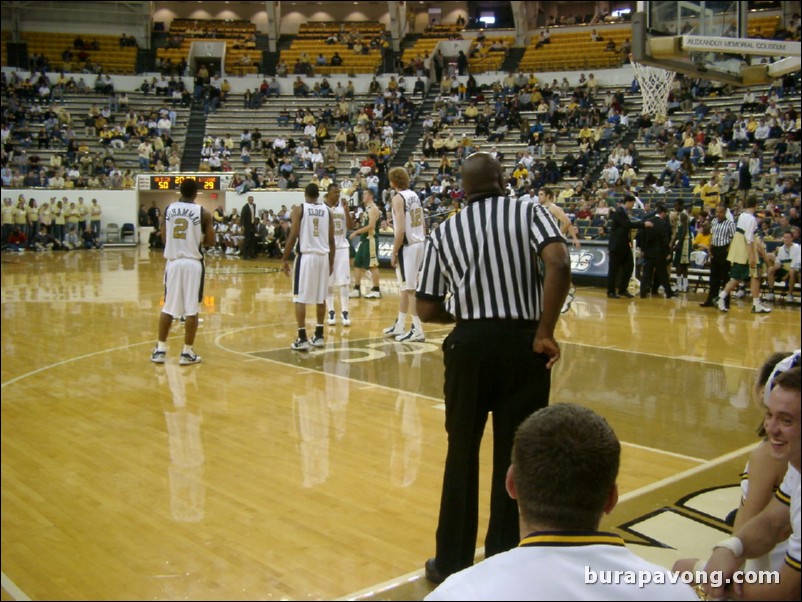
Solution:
(313, 236)
(340, 226)
(182, 222)
(414, 229)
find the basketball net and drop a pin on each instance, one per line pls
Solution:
(655, 86)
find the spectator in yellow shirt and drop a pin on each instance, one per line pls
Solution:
(710, 194)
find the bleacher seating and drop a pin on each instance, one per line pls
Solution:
(574, 51)
(111, 57)
(211, 28)
(241, 57)
(762, 26)
(78, 106)
(653, 159)
(233, 119)
(442, 30)
(423, 47)
(5, 38)
(488, 58)
(312, 41)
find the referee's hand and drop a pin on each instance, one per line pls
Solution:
(549, 347)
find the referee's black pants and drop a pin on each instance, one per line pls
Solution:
(489, 367)
(619, 271)
(719, 270)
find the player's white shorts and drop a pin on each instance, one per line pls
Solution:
(310, 283)
(410, 259)
(183, 287)
(341, 276)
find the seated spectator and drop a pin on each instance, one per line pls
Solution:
(90, 239)
(559, 525)
(72, 240)
(786, 267)
(299, 87)
(777, 519)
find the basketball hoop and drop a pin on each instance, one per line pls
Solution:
(655, 85)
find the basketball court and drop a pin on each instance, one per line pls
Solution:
(265, 473)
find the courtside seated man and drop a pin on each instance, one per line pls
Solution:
(565, 463)
(780, 517)
(186, 229)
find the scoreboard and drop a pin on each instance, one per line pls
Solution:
(173, 181)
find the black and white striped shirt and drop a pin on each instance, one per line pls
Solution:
(486, 257)
(722, 232)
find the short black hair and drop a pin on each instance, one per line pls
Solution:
(312, 191)
(565, 462)
(189, 189)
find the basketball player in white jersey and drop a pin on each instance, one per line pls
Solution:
(407, 256)
(313, 228)
(186, 229)
(546, 198)
(341, 275)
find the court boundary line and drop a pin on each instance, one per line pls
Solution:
(688, 472)
(685, 358)
(664, 452)
(13, 590)
(16, 379)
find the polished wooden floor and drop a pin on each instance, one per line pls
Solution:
(265, 473)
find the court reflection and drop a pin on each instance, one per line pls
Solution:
(696, 408)
(691, 407)
(187, 460)
(407, 432)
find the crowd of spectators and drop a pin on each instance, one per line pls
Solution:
(312, 139)
(34, 118)
(560, 132)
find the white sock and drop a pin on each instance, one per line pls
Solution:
(722, 295)
(344, 299)
(161, 345)
(417, 323)
(187, 349)
(402, 319)
(330, 300)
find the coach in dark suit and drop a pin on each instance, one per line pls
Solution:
(656, 249)
(249, 221)
(620, 249)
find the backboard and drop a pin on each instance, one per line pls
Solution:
(714, 40)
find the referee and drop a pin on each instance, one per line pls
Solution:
(723, 229)
(487, 259)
